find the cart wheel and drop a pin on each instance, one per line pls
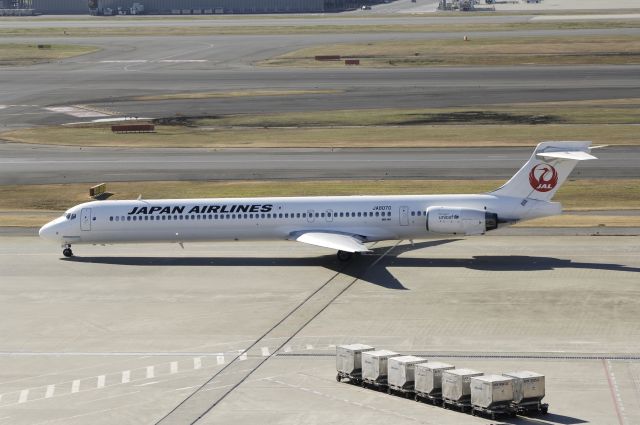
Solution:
(545, 409)
(388, 390)
(444, 405)
(473, 412)
(338, 378)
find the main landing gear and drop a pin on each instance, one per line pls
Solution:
(345, 256)
(66, 251)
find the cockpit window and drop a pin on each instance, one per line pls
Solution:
(70, 216)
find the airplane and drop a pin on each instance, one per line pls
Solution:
(342, 223)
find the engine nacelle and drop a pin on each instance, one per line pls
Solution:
(455, 220)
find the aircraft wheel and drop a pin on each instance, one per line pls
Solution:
(344, 255)
(67, 252)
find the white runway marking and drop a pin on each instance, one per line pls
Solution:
(51, 389)
(3, 106)
(220, 359)
(75, 386)
(24, 396)
(287, 349)
(183, 60)
(147, 383)
(76, 112)
(130, 61)
(126, 376)
(187, 388)
(309, 347)
(585, 17)
(150, 372)
(101, 381)
(243, 356)
(197, 363)
(265, 351)
(173, 368)
(125, 61)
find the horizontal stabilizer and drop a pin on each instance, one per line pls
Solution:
(575, 155)
(337, 241)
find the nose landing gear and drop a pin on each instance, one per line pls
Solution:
(66, 251)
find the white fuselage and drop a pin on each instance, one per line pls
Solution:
(182, 220)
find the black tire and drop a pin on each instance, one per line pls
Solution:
(338, 378)
(344, 256)
(545, 410)
(67, 252)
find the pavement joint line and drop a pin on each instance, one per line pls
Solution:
(264, 335)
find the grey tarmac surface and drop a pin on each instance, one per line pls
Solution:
(124, 334)
(38, 164)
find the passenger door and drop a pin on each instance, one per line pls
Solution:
(85, 219)
(404, 216)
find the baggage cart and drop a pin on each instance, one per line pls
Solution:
(401, 374)
(428, 381)
(349, 362)
(374, 368)
(528, 392)
(492, 395)
(456, 388)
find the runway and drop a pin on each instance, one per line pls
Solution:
(127, 67)
(124, 334)
(35, 164)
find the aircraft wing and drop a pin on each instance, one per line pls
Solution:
(338, 241)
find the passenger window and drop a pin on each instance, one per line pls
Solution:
(377, 214)
(322, 215)
(304, 215)
(359, 214)
(111, 218)
(129, 218)
(117, 218)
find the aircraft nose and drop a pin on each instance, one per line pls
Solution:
(48, 231)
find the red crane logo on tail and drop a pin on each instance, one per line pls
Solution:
(543, 177)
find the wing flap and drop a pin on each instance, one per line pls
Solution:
(337, 241)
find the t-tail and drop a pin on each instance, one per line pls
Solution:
(538, 180)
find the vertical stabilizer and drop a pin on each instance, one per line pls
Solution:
(547, 169)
